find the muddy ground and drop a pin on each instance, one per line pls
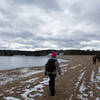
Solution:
(80, 80)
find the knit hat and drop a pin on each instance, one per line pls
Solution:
(53, 54)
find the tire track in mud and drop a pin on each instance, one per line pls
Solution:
(95, 81)
(87, 88)
(77, 82)
(79, 78)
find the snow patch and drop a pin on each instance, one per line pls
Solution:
(37, 94)
(11, 98)
(80, 78)
(98, 98)
(64, 70)
(97, 80)
(63, 65)
(92, 76)
(75, 66)
(45, 82)
(25, 70)
(38, 89)
(70, 97)
(32, 80)
(98, 87)
(91, 93)
(4, 78)
(83, 95)
(32, 73)
(83, 88)
(98, 75)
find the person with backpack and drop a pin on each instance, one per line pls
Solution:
(51, 69)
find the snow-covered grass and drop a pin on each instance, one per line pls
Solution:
(98, 75)
(92, 76)
(5, 78)
(11, 98)
(91, 93)
(70, 97)
(25, 72)
(29, 93)
(97, 80)
(31, 80)
(80, 78)
(45, 81)
(63, 70)
(17, 74)
(98, 98)
(38, 89)
(83, 88)
(63, 65)
(82, 95)
(75, 66)
(31, 73)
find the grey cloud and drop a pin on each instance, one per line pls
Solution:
(16, 35)
(87, 11)
(45, 4)
(33, 31)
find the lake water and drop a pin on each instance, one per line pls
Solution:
(11, 62)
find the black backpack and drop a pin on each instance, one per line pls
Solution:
(51, 66)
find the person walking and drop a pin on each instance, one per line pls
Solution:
(94, 59)
(51, 69)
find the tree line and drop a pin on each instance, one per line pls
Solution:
(46, 52)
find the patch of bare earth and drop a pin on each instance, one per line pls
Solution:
(80, 80)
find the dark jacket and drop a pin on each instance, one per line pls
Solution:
(57, 69)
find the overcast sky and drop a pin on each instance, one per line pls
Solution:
(49, 24)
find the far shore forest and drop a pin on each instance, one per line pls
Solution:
(47, 52)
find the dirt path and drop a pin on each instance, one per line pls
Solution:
(80, 80)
